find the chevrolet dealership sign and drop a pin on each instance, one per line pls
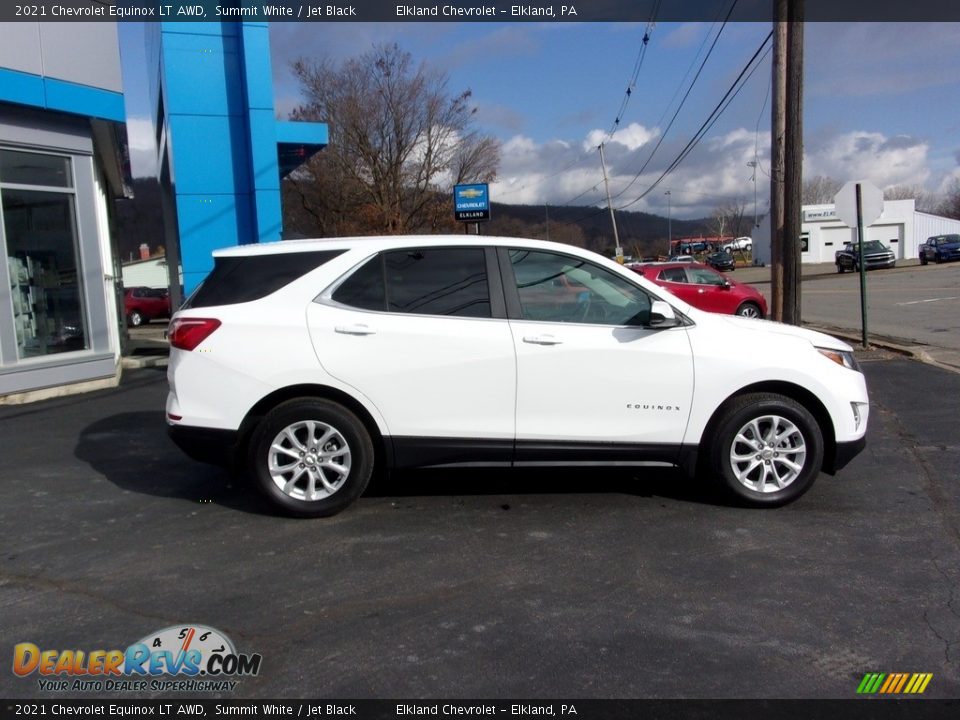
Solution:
(471, 203)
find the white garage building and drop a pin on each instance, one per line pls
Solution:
(900, 227)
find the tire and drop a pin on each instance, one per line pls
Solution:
(735, 466)
(840, 269)
(309, 488)
(749, 310)
(938, 258)
(923, 259)
(136, 318)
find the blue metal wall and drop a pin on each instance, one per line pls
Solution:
(221, 137)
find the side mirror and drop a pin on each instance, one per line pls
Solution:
(662, 316)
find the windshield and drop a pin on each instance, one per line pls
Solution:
(873, 246)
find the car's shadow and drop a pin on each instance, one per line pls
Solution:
(133, 452)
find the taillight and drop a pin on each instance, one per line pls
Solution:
(187, 333)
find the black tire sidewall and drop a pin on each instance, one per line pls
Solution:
(738, 415)
(325, 411)
(134, 318)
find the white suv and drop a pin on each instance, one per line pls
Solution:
(311, 363)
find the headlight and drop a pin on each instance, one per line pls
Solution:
(841, 357)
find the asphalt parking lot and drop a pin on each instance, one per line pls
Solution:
(496, 584)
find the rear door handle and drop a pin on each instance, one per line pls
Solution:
(354, 330)
(542, 340)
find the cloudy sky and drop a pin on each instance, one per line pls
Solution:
(882, 103)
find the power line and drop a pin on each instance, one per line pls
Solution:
(634, 75)
(712, 118)
(641, 55)
(663, 135)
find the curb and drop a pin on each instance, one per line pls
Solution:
(914, 352)
(137, 362)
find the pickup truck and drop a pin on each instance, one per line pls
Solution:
(940, 248)
(875, 253)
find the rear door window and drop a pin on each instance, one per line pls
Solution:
(421, 281)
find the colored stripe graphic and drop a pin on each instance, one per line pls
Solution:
(894, 683)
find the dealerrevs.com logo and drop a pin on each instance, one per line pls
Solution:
(180, 658)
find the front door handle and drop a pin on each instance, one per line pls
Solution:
(354, 330)
(542, 340)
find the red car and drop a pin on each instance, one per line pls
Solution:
(143, 304)
(705, 288)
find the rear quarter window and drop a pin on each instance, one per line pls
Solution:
(240, 279)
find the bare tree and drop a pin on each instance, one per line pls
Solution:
(399, 141)
(727, 218)
(819, 189)
(950, 205)
(925, 200)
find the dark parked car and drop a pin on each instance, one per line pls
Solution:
(722, 261)
(940, 248)
(875, 253)
(143, 304)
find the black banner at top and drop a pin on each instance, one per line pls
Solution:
(468, 10)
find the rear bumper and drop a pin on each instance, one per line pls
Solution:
(208, 445)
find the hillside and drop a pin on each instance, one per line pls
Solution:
(589, 226)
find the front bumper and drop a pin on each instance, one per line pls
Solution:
(843, 454)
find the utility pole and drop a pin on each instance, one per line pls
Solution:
(786, 159)
(613, 220)
(669, 223)
(777, 135)
(793, 165)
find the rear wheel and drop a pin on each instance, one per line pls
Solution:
(767, 450)
(311, 457)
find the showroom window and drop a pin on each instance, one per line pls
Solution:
(39, 216)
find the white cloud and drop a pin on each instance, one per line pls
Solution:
(683, 36)
(564, 173)
(861, 155)
(143, 151)
(632, 137)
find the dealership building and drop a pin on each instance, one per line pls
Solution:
(901, 227)
(63, 161)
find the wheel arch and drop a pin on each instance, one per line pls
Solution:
(382, 446)
(795, 392)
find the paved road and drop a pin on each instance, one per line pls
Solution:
(492, 584)
(921, 304)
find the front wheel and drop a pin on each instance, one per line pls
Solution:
(938, 258)
(136, 318)
(767, 450)
(749, 310)
(923, 259)
(840, 268)
(311, 457)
